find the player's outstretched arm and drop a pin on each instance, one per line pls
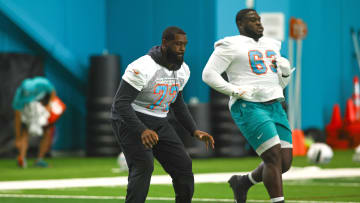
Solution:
(205, 137)
(182, 113)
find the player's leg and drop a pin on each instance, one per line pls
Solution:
(140, 163)
(286, 154)
(171, 154)
(286, 159)
(44, 146)
(255, 122)
(284, 133)
(23, 143)
(272, 171)
(268, 147)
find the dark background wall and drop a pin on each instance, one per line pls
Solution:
(67, 32)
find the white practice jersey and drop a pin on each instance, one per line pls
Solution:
(158, 86)
(249, 67)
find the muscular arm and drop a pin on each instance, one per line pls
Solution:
(212, 75)
(183, 115)
(125, 95)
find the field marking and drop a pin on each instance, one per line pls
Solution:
(148, 198)
(323, 184)
(293, 174)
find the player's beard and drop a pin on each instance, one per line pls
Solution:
(173, 58)
(253, 34)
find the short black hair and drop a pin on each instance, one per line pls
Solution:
(241, 14)
(169, 32)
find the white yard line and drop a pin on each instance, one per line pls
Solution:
(293, 174)
(148, 198)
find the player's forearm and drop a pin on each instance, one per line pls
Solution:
(217, 82)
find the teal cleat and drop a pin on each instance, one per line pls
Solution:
(41, 163)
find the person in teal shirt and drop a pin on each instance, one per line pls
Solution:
(32, 110)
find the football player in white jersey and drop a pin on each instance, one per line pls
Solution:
(257, 75)
(149, 87)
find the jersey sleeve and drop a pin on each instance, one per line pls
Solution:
(186, 76)
(136, 76)
(218, 63)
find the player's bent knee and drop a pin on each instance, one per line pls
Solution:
(142, 167)
(286, 164)
(184, 186)
(272, 155)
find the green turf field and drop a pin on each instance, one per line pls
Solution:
(317, 190)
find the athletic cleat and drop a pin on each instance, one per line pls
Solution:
(41, 163)
(21, 162)
(240, 190)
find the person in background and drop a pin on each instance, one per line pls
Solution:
(149, 87)
(34, 116)
(257, 76)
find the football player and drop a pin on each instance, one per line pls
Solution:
(149, 87)
(257, 75)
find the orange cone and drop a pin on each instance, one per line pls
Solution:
(299, 147)
(350, 116)
(336, 121)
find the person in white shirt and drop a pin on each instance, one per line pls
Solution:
(257, 75)
(149, 87)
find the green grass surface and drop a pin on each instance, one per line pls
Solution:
(101, 167)
(331, 190)
(317, 190)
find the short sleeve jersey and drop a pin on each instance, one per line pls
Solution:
(250, 63)
(158, 86)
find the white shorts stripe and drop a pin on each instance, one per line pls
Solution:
(268, 144)
(285, 144)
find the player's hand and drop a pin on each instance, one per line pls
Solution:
(205, 137)
(283, 66)
(244, 91)
(284, 71)
(239, 93)
(149, 138)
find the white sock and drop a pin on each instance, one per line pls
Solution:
(252, 179)
(277, 199)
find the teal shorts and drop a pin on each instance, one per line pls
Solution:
(263, 125)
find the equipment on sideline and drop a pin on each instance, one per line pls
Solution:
(122, 162)
(57, 108)
(356, 156)
(356, 98)
(298, 31)
(320, 153)
(356, 45)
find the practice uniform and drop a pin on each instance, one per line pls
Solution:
(158, 88)
(250, 68)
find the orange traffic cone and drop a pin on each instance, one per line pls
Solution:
(336, 117)
(350, 116)
(299, 147)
